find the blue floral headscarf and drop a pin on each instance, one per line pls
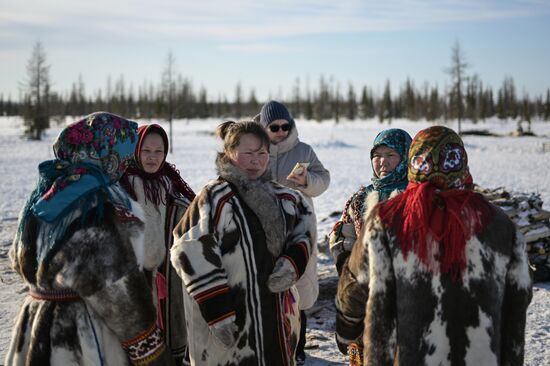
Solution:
(400, 141)
(91, 155)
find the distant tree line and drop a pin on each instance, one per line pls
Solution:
(175, 97)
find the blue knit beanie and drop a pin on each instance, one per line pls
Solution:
(272, 111)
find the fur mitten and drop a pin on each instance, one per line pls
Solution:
(283, 276)
(225, 332)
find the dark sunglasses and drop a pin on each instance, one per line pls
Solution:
(275, 128)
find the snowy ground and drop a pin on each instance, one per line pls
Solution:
(519, 164)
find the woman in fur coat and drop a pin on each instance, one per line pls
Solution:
(79, 248)
(240, 248)
(389, 158)
(164, 197)
(311, 179)
(445, 272)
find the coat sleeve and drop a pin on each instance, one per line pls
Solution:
(517, 296)
(342, 237)
(351, 296)
(196, 256)
(381, 313)
(100, 264)
(318, 178)
(300, 243)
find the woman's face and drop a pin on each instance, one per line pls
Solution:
(281, 127)
(151, 155)
(250, 156)
(384, 160)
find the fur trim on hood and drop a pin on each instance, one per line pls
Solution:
(259, 196)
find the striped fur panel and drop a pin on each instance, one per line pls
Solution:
(214, 253)
(301, 226)
(196, 254)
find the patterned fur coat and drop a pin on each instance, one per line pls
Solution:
(225, 249)
(100, 310)
(416, 317)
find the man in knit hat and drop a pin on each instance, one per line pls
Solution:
(309, 177)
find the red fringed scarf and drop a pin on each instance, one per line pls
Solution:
(449, 217)
(166, 179)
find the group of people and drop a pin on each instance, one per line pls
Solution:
(126, 265)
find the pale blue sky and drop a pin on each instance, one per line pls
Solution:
(266, 45)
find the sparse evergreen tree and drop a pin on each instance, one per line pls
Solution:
(366, 108)
(252, 106)
(483, 103)
(8, 107)
(472, 110)
(351, 103)
(491, 103)
(336, 102)
(108, 94)
(97, 103)
(385, 112)
(457, 71)
(202, 108)
(546, 112)
(218, 112)
(226, 107)
(72, 103)
(423, 102)
(296, 99)
(322, 105)
(168, 90)
(36, 90)
(507, 101)
(308, 106)
(238, 104)
(81, 93)
(118, 103)
(526, 112)
(130, 102)
(143, 103)
(500, 108)
(433, 111)
(185, 99)
(408, 105)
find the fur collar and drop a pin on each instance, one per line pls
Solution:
(285, 145)
(254, 192)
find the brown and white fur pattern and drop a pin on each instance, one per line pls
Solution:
(225, 249)
(417, 317)
(102, 263)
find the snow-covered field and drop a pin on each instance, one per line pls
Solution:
(519, 164)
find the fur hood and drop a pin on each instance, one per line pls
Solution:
(252, 192)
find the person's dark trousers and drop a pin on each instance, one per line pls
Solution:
(300, 353)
